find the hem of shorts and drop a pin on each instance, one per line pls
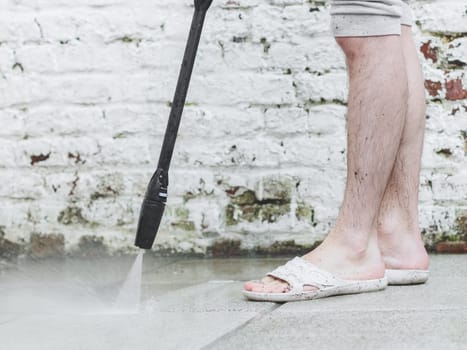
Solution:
(365, 25)
(408, 24)
(407, 18)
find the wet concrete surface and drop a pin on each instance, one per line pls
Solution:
(197, 303)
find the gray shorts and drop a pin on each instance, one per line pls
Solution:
(369, 17)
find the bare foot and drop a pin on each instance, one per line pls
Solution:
(345, 260)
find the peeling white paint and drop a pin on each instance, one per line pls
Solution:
(93, 91)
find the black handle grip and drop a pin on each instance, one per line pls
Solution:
(181, 89)
(202, 5)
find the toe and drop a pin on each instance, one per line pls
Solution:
(254, 286)
(266, 285)
(275, 287)
(250, 285)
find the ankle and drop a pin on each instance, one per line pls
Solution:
(356, 246)
(359, 235)
(395, 224)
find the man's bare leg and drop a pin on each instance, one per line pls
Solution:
(398, 228)
(377, 107)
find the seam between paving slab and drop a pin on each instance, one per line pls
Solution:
(260, 315)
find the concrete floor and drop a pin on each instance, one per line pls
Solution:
(193, 304)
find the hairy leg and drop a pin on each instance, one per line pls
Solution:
(377, 107)
(398, 231)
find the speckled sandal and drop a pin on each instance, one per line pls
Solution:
(405, 277)
(299, 273)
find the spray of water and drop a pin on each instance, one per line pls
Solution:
(129, 297)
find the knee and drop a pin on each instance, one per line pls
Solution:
(360, 47)
(351, 46)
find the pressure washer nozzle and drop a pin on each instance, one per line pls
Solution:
(152, 210)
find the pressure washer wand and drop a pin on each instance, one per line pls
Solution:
(156, 194)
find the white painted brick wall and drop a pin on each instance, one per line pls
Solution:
(85, 88)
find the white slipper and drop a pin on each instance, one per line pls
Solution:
(299, 273)
(405, 276)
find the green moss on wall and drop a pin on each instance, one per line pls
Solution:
(71, 215)
(185, 225)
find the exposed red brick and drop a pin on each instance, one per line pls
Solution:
(39, 158)
(74, 183)
(433, 87)
(76, 157)
(429, 52)
(451, 247)
(232, 190)
(47, 245)
(226, 248)
(91, 246)
(455, 90)
(8, 250)
(461, 220)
